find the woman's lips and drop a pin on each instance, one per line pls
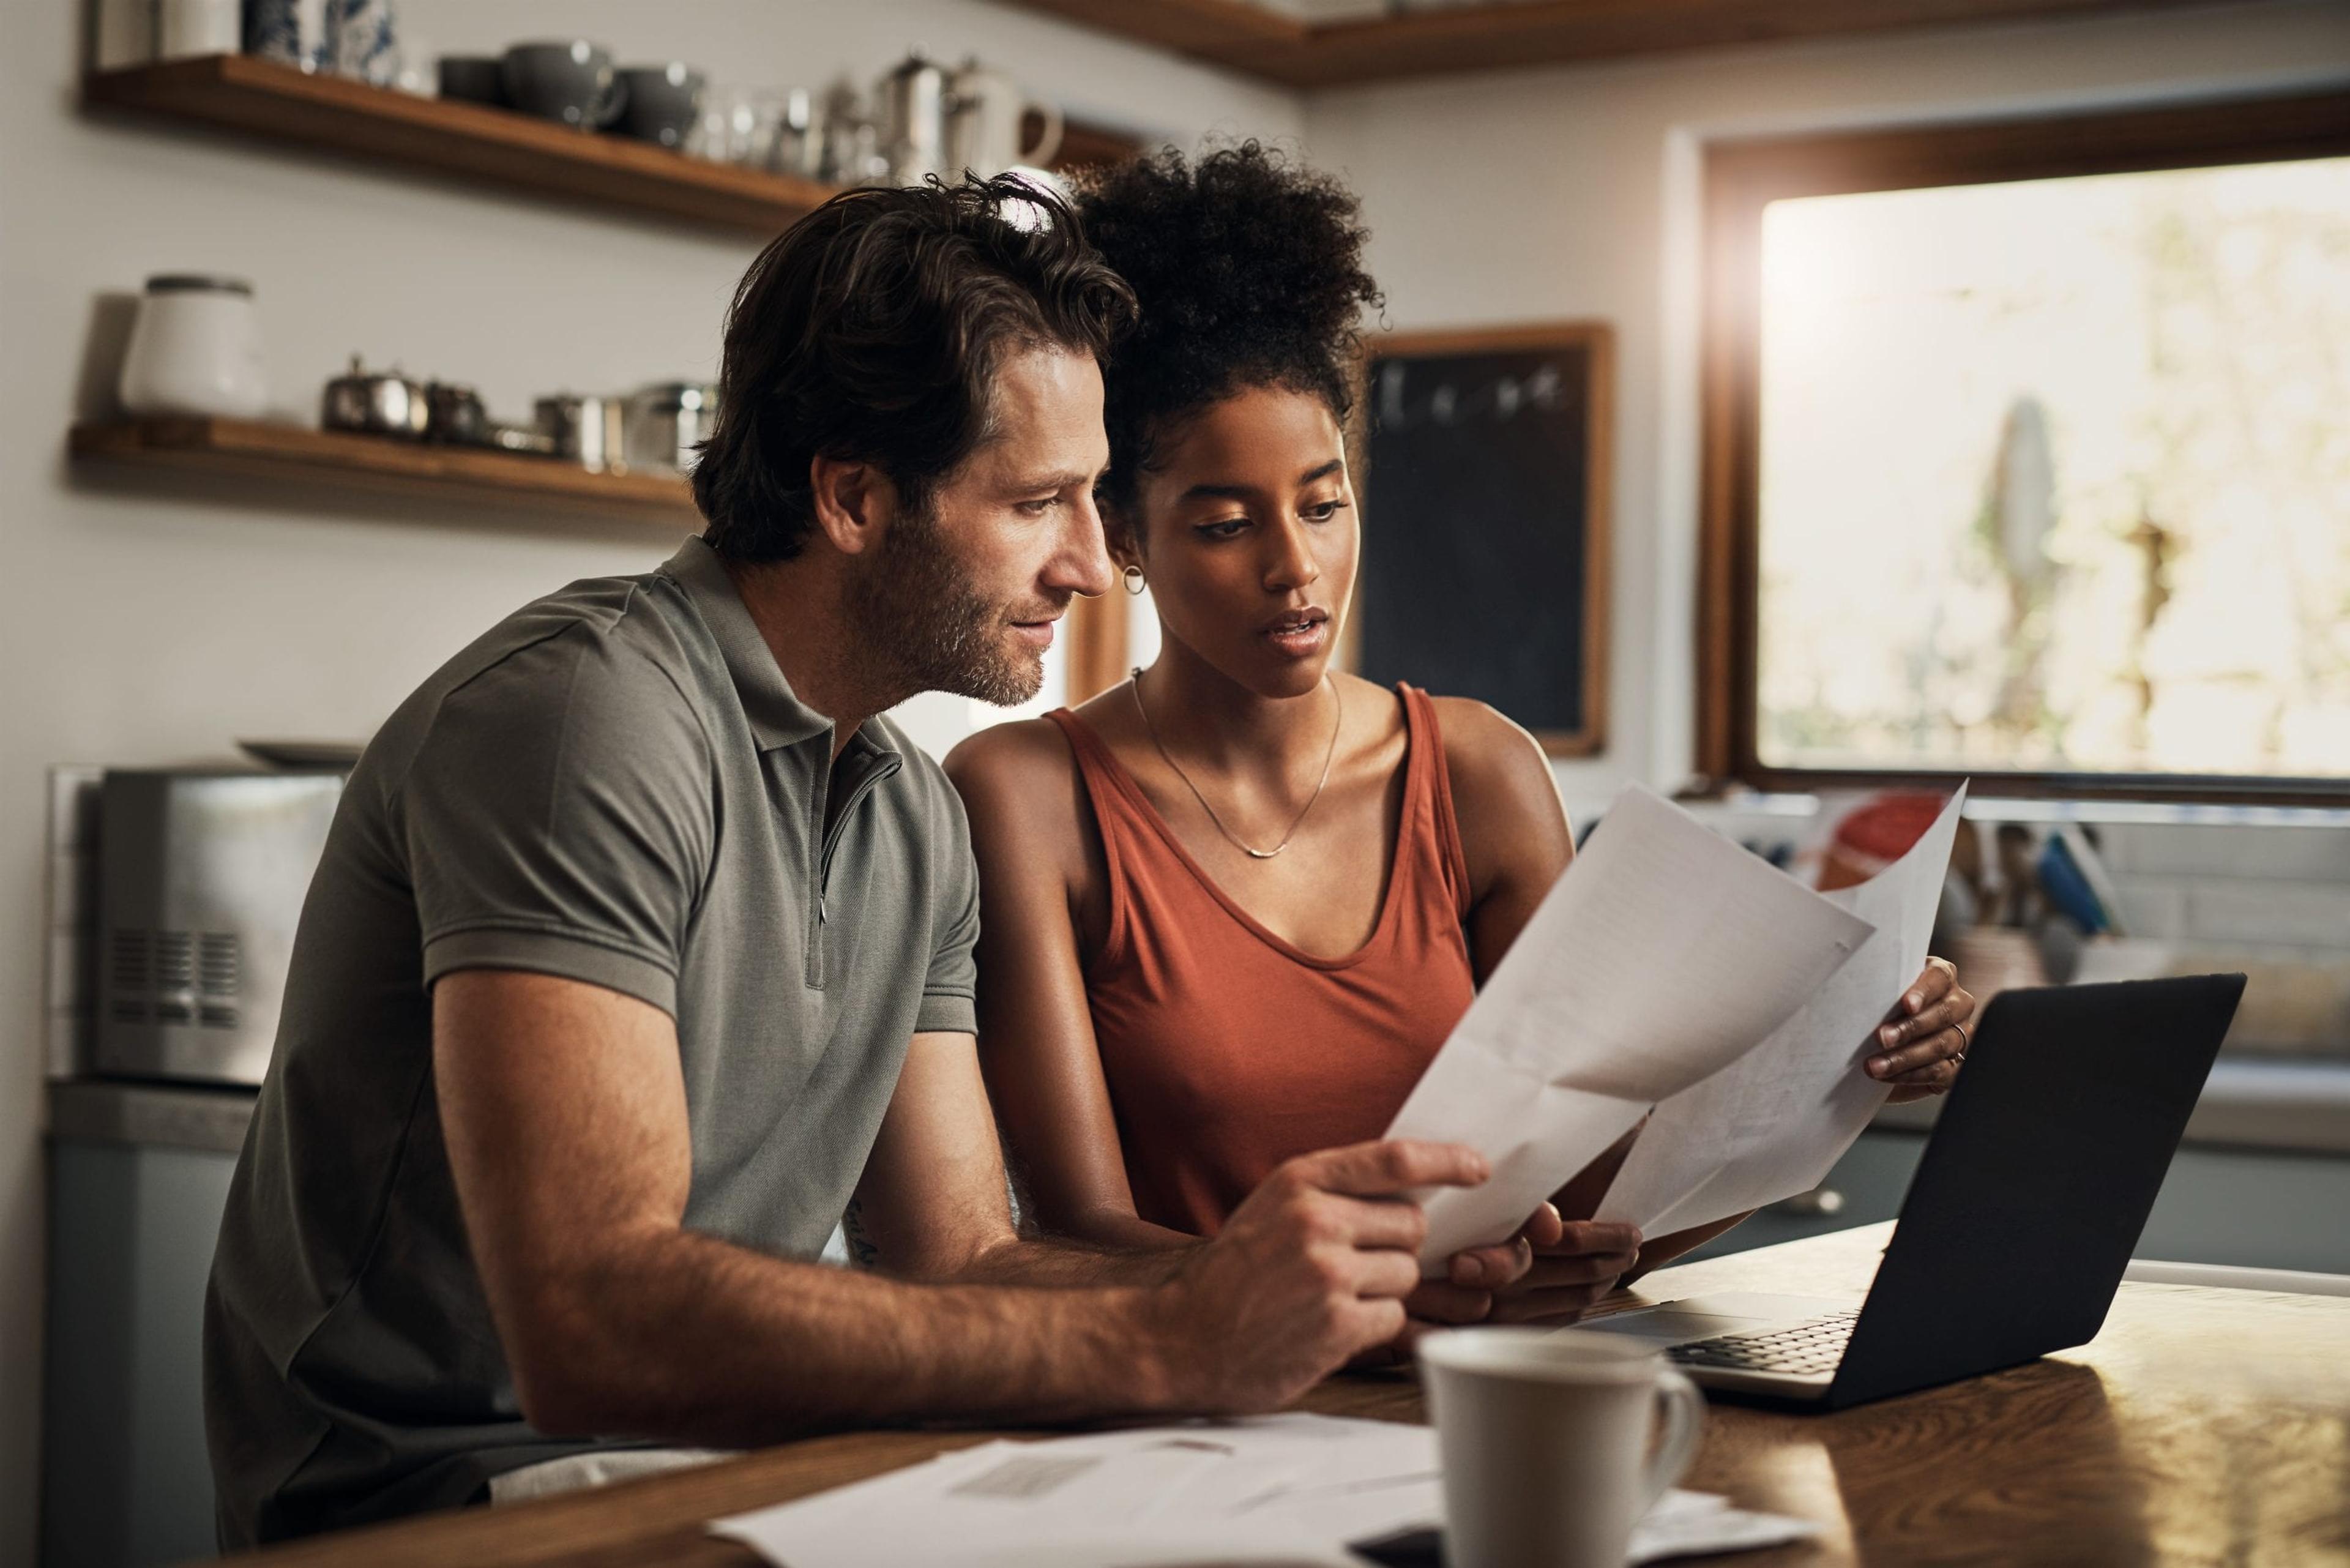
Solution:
(1299, 637)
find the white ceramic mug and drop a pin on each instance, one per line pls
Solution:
(194, 350)
(1547, 1438)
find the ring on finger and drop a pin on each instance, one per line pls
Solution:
(1959, 1058)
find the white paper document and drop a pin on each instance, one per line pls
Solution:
(1774, 1121)
(1664, 952)
(1290, 1489)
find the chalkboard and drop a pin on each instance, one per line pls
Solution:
(1485, 512)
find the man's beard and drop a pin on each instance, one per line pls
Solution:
(924, 627)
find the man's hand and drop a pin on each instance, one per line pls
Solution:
(1920, 1053)
(1576, 1262)
(1312, 1269)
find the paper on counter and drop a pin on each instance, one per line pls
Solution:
(1775, 1121)
(1685, 1523)
(1292, 1489)
(1662, 953)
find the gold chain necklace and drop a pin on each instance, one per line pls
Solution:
(1134, 681)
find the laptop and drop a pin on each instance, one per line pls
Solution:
(2023, 1211)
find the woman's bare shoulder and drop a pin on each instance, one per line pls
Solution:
(1020, 774)
(1496, 766)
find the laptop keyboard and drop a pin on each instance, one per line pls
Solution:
(1802, 1348)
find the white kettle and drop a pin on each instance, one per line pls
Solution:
(986, 109)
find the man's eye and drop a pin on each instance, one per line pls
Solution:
(1036, 508)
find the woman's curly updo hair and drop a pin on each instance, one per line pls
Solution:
(1248, 270)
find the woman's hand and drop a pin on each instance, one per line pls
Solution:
(1920, 1053)
(1577, 1264)
(1466, 1294)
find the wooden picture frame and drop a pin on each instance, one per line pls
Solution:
(1586, 352)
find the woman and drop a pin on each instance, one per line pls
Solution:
(1232, 905)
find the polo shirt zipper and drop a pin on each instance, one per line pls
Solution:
(882, 770)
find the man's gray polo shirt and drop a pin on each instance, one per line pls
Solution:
(614, 785)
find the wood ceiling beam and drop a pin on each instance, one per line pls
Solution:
(1255, 41)
(1213, 30)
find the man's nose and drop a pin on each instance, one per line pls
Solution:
(1082, 565)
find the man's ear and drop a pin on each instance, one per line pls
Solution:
(855, 502)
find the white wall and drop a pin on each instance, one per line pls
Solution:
(1573, 192)
(149, 622)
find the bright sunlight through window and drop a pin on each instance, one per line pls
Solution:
(2056, 475)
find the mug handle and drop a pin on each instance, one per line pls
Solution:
(615, 100)
(1682, 1411)
(1048, 143)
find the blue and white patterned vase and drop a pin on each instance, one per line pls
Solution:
(362, 40)
(291, 31)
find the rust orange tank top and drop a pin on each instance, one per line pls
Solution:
(1228, 1050)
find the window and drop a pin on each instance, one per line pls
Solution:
(2028, 455)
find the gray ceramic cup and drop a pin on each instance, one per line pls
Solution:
(474, 78)
(573, 82)
(664, 102)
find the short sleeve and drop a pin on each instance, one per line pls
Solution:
(559, 817)
(950, 986)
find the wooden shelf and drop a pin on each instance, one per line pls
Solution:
(492, 146)
(1252, 40)
(293, 455)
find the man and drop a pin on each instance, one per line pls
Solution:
(640, 952)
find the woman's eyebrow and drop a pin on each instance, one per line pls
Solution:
(1243, 492)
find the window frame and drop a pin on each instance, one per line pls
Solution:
(1744, 177)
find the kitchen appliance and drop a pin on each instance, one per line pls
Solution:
(194, 350)
(666, 424)
(987, 112)
(912, 119)
(573, 81)
(202, 874)
(376, 402)
(591, 432)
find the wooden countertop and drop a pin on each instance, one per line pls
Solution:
(2201, 1426)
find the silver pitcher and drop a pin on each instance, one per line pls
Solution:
(911, 102)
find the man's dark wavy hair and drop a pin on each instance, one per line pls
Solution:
(871, 331)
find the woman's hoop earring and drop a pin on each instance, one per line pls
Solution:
(1133, 576)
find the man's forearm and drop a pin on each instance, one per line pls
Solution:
(1059, 1262)
(720, 1344)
